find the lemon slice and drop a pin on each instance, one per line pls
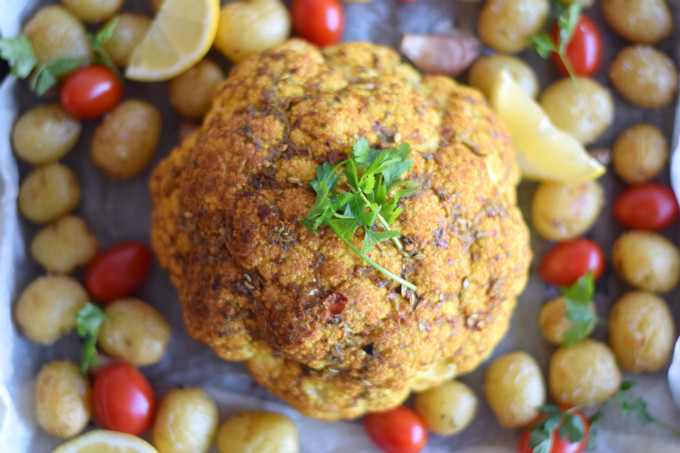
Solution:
(544, 152)
(102, 441)
(180, 35)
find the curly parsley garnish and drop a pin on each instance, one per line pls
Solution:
(567, 20)
(557, 422)
(578, 301)
(19, 52)
(89, 319)
(371, 175)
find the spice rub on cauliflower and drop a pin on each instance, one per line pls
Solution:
(315, 324)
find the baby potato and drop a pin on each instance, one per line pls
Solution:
(644, 76)
(48, 193)
(505, 25)
(258, 432)
(186, 422)
(125, 142)
(639, 21)
(484, 71)
(583, 109)
(45, 134)
(641, 331)
(640, 153)
(63, 399)
(64, 245)
(249, 27)
(55, 33)
(561, 211)
(93, 10)
(583, 373)
(554, 323)
(47, 308)
(129, 31)
(448, 408)
(647, 261)
(514, 389)
(191, 93)
(134, 332)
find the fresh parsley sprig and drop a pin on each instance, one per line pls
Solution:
(19, 53)
(578, 301)
(567, 20)
(639, 407)
(89, 319)
(557, 422)
(373, 191)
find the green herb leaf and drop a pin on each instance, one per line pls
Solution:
(106, 33)
(578, 301)
(19, 52)
(88, 320)
(370, 175)
(566, 22)
(592, 432)
(543, 44)
(97, 42)
(46, 75)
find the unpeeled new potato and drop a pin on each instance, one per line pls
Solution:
(48, 193)
(647, 261)
(505, 25)
(639, 21)
(93, 10)
(186, 422)
(191, 93)
(641, 331)
(250, 27)
(583, 373)
(639, 153)
(448, 408)
(45, 134)
(55, 33)
(514, 389)
(64, 245)
(128, 32)
(258, 432)
(485, 69)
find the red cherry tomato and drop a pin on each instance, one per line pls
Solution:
(119, 271)
(649, 206)
(584, 50)
(91, 92)
(318, 21)
(568, 261)
(398, 430)
(559, 445)
(123, 399)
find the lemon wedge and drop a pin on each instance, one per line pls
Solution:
(102, 441)
(544, 153)
(180, 35)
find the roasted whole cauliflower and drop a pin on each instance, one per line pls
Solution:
(315, 324)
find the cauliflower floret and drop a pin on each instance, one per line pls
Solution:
(317, 326)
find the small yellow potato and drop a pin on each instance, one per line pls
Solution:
(47, 308)
(644, 76)
(125, 142)
(63, 399)
(45, 134)
(448, 408)
(514, 389)
(484, 71)
(64, 245)
(191, 93)
(93, 10)
(554, 323)
(129, 31)
(505, 25)
(258, 432)
(583, 373)
(641, 331)
(584, 109)
(639, 21)
(186, 422)
(640, 153)
(252, 26)
(48, 193)
(561, 211)
(55, 33)
(134, 332)
(647, 261)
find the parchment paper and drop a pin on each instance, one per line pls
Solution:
(118, 211)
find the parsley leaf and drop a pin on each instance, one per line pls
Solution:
(565, 424)
(371, 178)
(89, 319)
(97, 43)
(46, 75)
(580, 310)
(639, 407)
(19, 52)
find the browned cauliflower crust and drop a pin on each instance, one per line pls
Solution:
(317, 326)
